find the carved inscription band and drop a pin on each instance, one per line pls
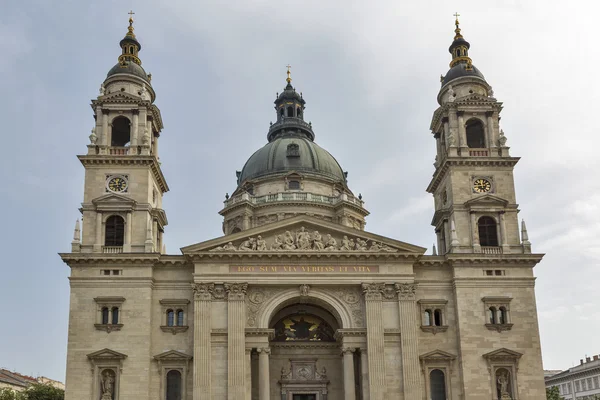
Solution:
(304, 269)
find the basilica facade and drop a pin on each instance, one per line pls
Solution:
(296, 301)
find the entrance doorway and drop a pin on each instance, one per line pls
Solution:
(304, 397)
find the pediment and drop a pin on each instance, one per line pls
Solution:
(488, 200)
(303, 234)
(503, 354)
(106, 354)
(120, 97)
(172, 355)
(476, 98)
(437, 355)
(113, 201)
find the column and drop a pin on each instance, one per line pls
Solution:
(446, 131)
(236, 340)
(503, 236)
(202, 340)
(364, 375)
(128, 228)
(134, 132)
(103, 140)
(248, 367)
(373, 293)
(475, 233)
(462, 134)
(155, 236)
(263, 374)
(491, 132)
(452, 137)
(246, 222)
(411, 372)
(349, 389)
(98, 244)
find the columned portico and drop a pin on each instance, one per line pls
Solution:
(373, 293)
(409, 340)
(263, 373)
(202, 340)
(236, 340)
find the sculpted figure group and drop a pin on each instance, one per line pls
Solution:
(304, 240)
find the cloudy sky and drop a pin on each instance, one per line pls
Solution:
(369, 71)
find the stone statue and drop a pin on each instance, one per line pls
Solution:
(502, 138)
(278, 243)
(352, 245)
(247, 245)
(451, 94)
(229, 247)
(304, 288)
(317, 241)
(503, 386)
(451, 140)
(107, 382)
(146, 137)
(491, 92)
(330, 242)
(143, 92)
(102, 89)
(361, 245)
(345, 244)
(374, 246)
(261, 244)
(288, 241)
(93, 137)
(303, 239)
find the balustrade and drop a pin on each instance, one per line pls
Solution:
(112, 249)
(491, 250)
(293, 196)
(478, 152)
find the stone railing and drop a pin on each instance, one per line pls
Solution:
(293, 196)
(118, 151)
(479, 152)
(112, 249)
(491, 250)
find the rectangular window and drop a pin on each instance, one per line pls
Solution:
(489, 272)
(116, 272)
(596, 382)
(105, 272)
(498, 272)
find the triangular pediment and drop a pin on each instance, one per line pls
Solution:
(172, 355)
(116, 97)
(437, 355)
(488, 200)
(303, 234)
(503, 354)
(106, 354)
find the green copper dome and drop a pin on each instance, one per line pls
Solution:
(291, 152)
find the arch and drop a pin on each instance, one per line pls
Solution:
(427, 318)
(487, 228)
(492, 315)
(180, 317)
(170, 317)
(115, 315)
(105, 319)
(121, 131)
(437, 317)
(114, 232)
(174, 385)
(437, 384)
(502, 316)
(316, 296)
(290, 111)
(475, 133)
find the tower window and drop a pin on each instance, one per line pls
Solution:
(475, 134)
(115, 231)
(299, 112)
(105, 315)
(492, 315)
(179, 317)
(290, 111)
(121, 132)
(488, 232)
(437, 318)
(293, 150)
(294, 185)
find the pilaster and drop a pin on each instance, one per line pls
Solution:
(349, 385)
(373, 293)
(202, 340)
(409, 340)
(236, 340)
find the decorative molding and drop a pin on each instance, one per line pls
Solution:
(434, 329)
(108, 328)
(174, 329)
(203, 291)
(499, 327)
(406, 291)
(236, 291)
(373, 291)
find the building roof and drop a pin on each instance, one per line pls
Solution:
(16, 379)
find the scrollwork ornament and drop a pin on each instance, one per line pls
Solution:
(203, 291)
(236, 291)
(373, 291)
(304, 289)
(406, 291)
(389, 292)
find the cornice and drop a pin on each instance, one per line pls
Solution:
(477, 259)
(448, 162)
(143, 259)
(147, 161)
(281, 255)
(294, 203)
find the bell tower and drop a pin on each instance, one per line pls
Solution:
(473, 183)
(124, 185)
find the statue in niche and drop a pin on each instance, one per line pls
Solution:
(261, 244)
(451, 94)
(288, 241)
(278, 243)
(317, 241)
(502, 386)
(303, 239)
(107, 385)
(330, 242)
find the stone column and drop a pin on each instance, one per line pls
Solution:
(503, 235)
(128, 228)
(264, 388)
(411, 371)
(236, 340)
(373, 293)
(364, 369)
(491, 132)
(475, 233)
(248, 374)
(98, 244)
(135, 132)
(349, 389)
(202, 340)
(452, 132)
(103, 140)
(246, 222)
(462, 134)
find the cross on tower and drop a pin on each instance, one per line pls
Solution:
(456, 14)
(289, 73)
(131, 13)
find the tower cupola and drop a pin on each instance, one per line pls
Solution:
(129, 61)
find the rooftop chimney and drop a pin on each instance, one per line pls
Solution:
(581, 361)
(588, 359)
(595, 358)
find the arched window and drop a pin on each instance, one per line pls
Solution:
(299, 112)
(105, 315)
(492, 315)
(281, 112)
(502, 316)
(294, 185)
(290, 111)
(170, 318)
(179, 317)
(437, 317)
(427, 318)
(173, 385)
(121, 132)
(437, 385)
(475, 134)
(115, 315)
(114, 234)
(488, 232)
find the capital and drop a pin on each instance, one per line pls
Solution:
(406, 291)
(373, 291)
(236, 291)
(203, 291)
(263, 350)
(348, 351)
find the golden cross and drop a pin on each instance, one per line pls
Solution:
(289, 73)
(131, 13)
(456, 14)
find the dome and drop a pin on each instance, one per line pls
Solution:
(129, 68)
(460, 70)
(280, 156)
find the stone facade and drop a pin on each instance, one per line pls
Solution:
(297, 301)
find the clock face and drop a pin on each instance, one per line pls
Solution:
(482, 185)
(117, 184)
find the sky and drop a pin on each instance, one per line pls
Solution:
(369, 71)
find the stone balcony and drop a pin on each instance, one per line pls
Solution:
(294, 197)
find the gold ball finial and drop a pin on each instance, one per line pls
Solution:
(130, 27)
(457, 30)
(289, 73)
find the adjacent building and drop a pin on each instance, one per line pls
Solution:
(19, 382)
(578, 383)
(296, 301)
